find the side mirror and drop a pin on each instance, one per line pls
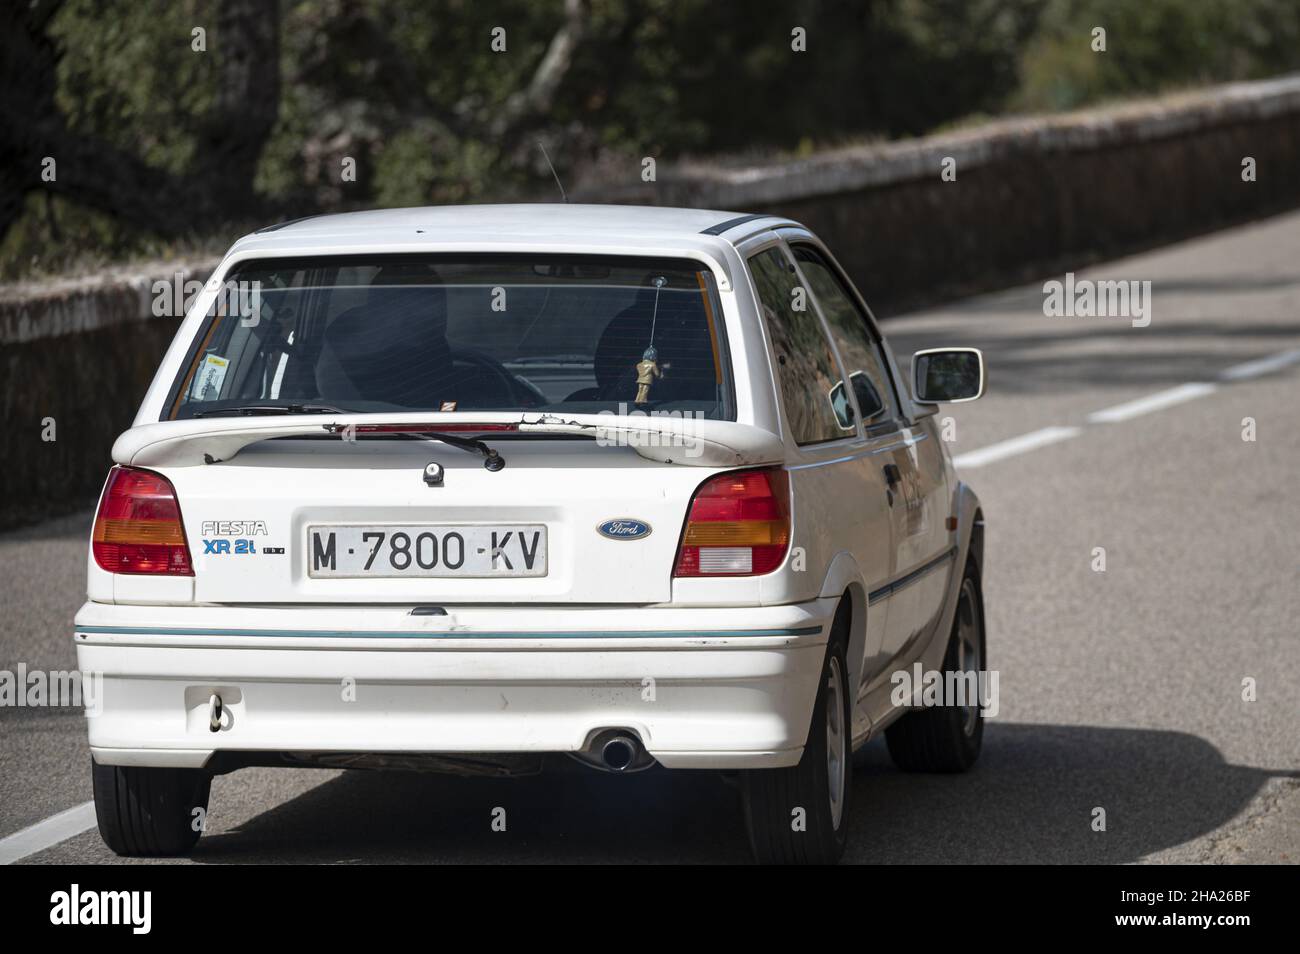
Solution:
(841, 406)
(947, 375)
(869, 402)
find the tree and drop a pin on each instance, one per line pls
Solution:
(218, 184)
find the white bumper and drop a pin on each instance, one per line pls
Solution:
(703, 688)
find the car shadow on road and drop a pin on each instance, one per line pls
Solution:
(1031, 799)
(565, 815)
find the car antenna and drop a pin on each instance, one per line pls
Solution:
(542, 146)
(659, 283)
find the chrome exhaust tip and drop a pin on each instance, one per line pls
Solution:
(614, 750)
(619, 753)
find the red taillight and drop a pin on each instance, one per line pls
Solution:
(427, 428)
(739, 525)
(138, 527)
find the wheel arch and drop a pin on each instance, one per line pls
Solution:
(976, 537)
(844, 582)
(968, 510)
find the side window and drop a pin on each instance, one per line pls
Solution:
(804, 362)
(860, 353)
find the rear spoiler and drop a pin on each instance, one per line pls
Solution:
(668, 439)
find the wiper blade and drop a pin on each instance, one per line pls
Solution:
(492, 459)
(250, 410)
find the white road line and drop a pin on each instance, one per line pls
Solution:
(46, 833)
(1015, 445)
(1152, 402)
(1253, 369)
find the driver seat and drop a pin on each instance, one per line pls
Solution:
(393, 349)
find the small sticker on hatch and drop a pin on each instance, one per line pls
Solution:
(624, 528)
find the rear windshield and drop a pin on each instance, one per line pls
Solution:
(471, 333)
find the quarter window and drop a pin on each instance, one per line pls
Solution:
(858, 350)
(805, 366)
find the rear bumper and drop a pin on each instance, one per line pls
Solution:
(702, 688)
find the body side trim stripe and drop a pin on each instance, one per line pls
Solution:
(457, 634)
(868, 452)
(909, 578)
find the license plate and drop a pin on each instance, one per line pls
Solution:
(502, 551)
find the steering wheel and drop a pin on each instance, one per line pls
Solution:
(510, 388)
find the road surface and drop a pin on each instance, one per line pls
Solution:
(1121, 689)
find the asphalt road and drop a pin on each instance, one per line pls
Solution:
(1121, 689)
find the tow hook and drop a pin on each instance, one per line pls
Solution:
(214, 713)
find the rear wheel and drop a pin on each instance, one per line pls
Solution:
(948, 738)
(150, 811)
(799, 815)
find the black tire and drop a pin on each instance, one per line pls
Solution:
(149, 812)
(772, 796)
(947, 738)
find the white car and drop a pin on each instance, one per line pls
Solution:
(468, 489)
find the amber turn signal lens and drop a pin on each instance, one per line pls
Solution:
(738, 525)
(138, 526)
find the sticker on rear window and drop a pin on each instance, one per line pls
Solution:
(207, 383)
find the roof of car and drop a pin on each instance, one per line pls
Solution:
(540, 222)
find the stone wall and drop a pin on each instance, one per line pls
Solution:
(1032, 197)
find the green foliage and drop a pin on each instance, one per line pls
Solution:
(413, 93)
(129, 77)
(1151, 46)
(55, 237)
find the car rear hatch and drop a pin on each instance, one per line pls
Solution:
(292, 511)
(302, 427)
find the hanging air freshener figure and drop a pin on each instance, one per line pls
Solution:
(647, 369)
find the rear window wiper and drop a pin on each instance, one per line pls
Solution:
(492, 458)
(248, 410)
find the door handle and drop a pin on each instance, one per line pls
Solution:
(892, 474)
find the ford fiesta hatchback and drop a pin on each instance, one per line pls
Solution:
(475, 489)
